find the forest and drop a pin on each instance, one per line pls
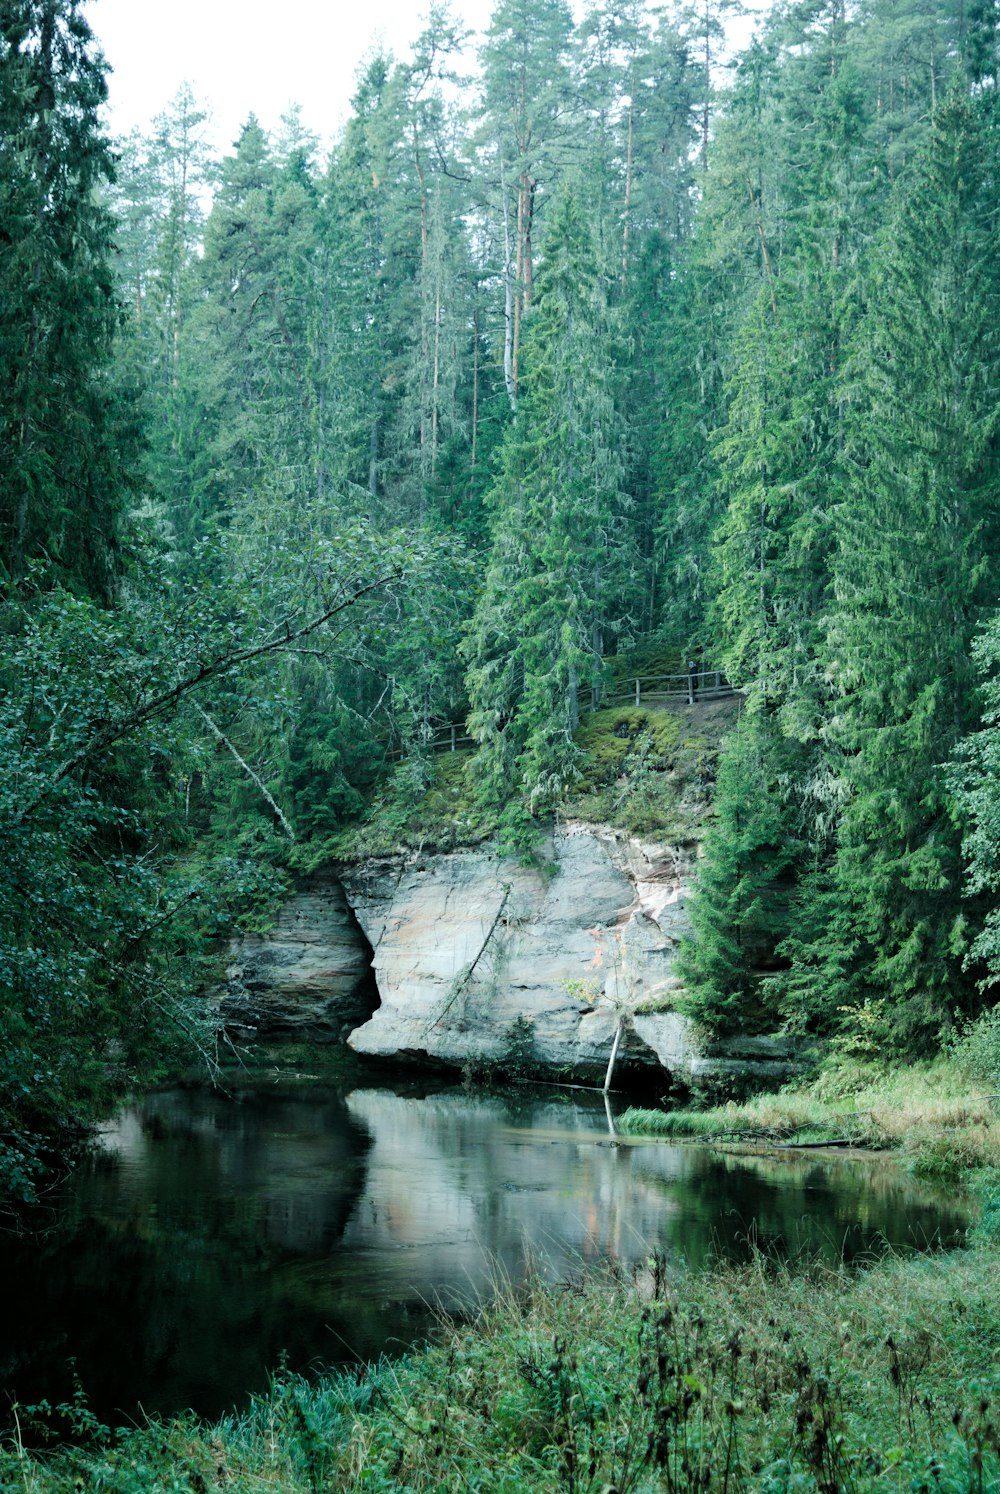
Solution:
(587, 348)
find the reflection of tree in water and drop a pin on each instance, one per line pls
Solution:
(790, 1207)
(212, 1236)
(182, 1267)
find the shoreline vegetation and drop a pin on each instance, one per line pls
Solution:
(942, 1120)
(768, 1378)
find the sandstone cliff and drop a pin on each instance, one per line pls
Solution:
(466, 944)
(472, 952)
(310, 976)
(450, 959)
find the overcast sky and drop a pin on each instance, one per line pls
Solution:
(243, 56)
(262, 56)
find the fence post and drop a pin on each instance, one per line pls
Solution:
(638, 694)
(452, 738)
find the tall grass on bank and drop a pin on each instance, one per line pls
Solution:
(942, 1119)
(758, 1380)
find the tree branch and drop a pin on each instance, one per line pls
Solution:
(112, 732)
(261, 785)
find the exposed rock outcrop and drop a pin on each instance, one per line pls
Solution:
(310, 976)
(470, 957)
(468, 947)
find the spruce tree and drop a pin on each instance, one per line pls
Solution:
(917, 518)
(740, 910)
(68, 436)
(559, 583)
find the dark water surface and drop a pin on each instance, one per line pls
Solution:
(208, 1238)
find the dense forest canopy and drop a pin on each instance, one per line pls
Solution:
(603, 352)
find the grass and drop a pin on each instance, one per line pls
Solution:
(761, 1379)
(941, 1120)
(756, 1380)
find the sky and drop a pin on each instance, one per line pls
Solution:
(243, 56)
(260, 56)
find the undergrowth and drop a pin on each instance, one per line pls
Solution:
(939, 1115)
(427, 804)
(648, 771)
(758, 1380)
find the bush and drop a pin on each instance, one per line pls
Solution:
(976, 1050)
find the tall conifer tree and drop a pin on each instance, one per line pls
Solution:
(917, 518)
(67, 438)
(559, 584)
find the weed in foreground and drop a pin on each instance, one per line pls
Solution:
(757, 1380)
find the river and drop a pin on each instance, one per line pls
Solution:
(207, 1239)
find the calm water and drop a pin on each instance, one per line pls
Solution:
(207, 1239)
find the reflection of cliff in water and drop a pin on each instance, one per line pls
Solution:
(209, 1237)
(456, 1188)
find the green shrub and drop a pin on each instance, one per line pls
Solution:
(976, 1050)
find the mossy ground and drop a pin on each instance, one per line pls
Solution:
(650, 771)
(428, 805)
(647, 771)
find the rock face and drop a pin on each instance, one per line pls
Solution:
(729, 1066)
(473, 958)
(473, 952)
(310, 976)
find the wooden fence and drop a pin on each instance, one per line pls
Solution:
(640, 690)
(653, 689)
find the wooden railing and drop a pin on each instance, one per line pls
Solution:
(697, 684)
(651, 689)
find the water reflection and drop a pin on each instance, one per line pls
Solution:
(208, 1237)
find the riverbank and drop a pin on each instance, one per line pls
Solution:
(754, 1379)
(764, 1378)
(942, 1118)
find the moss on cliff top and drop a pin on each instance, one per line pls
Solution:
(651, 771)
(426, 804)
(647, 771)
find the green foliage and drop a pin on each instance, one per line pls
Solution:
(69, 442)
(616, 367)
(975, 1048)
(973, 778)
(519, 1059)
(609, 738)
(918, 465)
(740, 912)
(649, 771)
(556, 584)
(104, 929)
(109, 903)
(755, 1381)
(934, 1115)
(425, 803)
